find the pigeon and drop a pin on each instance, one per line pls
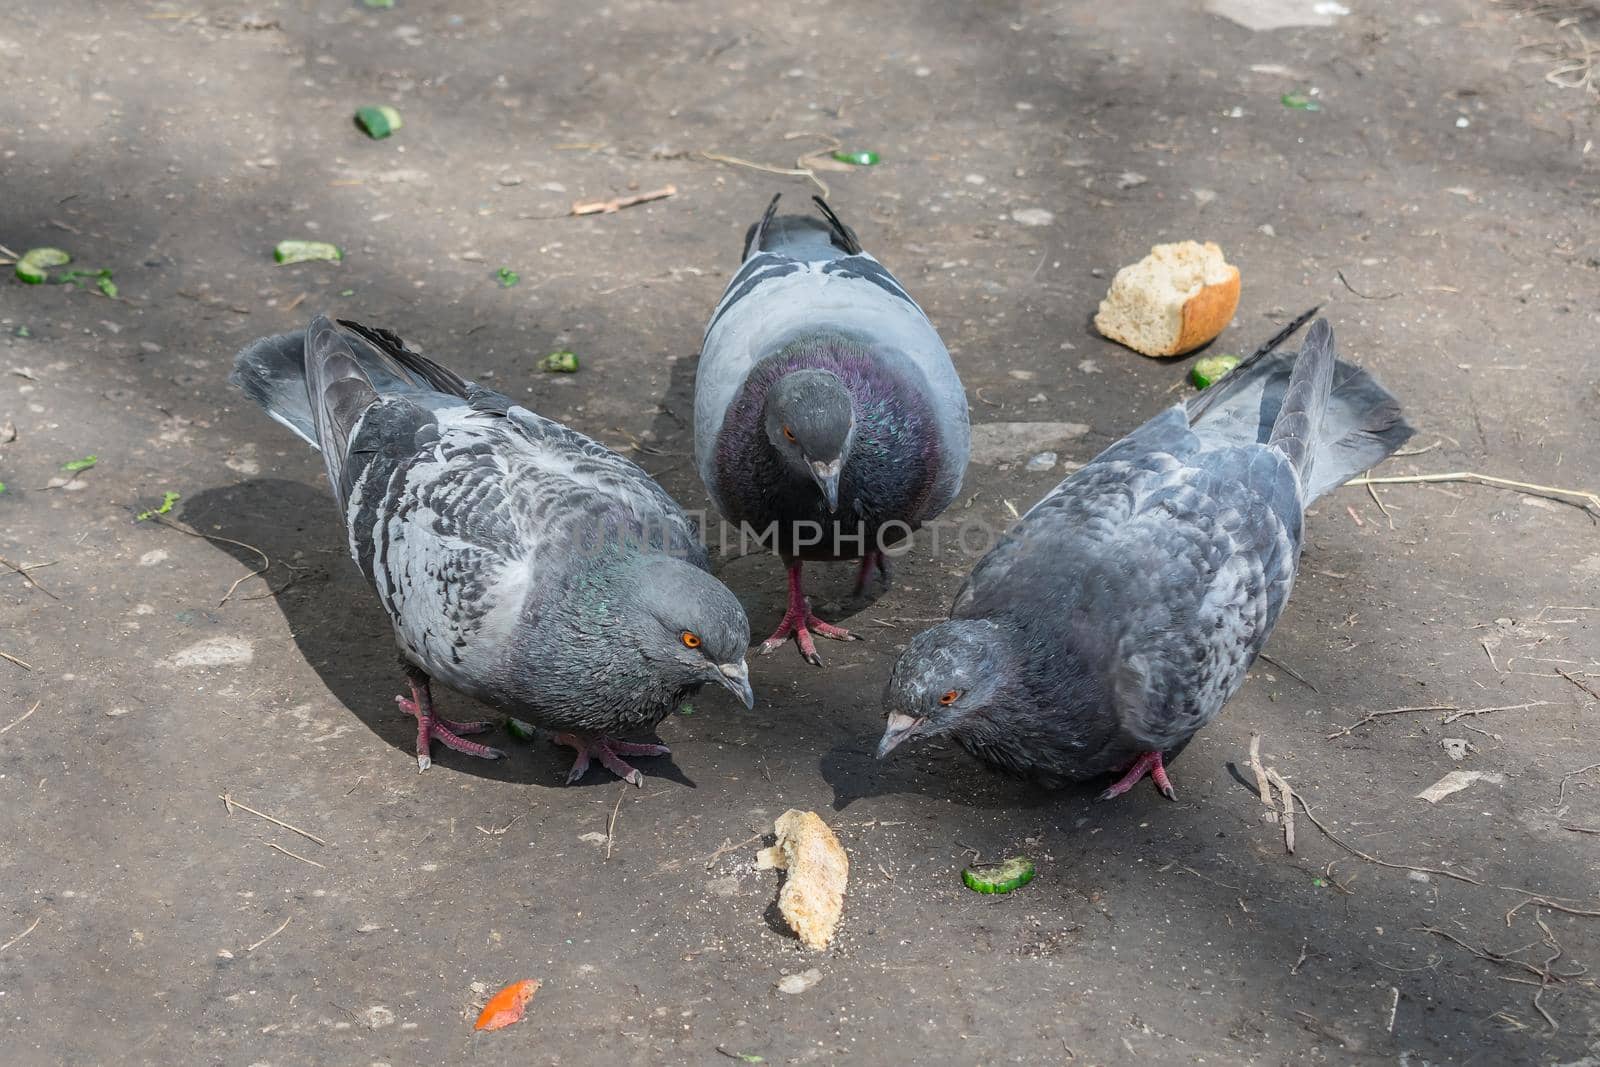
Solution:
(1122, 612)
(521, 563)
(829, 419)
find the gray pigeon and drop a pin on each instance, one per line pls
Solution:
(829, 420)
(1120, 615)
(521, 562)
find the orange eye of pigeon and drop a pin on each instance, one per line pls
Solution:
(950, 697)
(788, 433)
(690, 639)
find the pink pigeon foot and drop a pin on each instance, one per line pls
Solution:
(432, 728)
(1149, 763)
(799, 623)
(609, 752)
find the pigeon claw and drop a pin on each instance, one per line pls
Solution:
(800, 624)
(447, 732)
(1148, 763)
(609, 752)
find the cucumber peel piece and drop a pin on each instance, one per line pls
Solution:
(306, 251)
(561, 362)
(76, 465)
(507, 277)
(521, 731)
(1208, 370)
(34, 266)
(858, 159)
(378, 122)
(167, 500)
(102, 280)
(1003, 877)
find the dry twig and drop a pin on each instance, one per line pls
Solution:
(1371, 715)
(794, 172)
(295, 855)
(230, 803)
(1542, 972)
(23, 570)
(1370, 858)
(24, 718)
(728, 847)
(270, 936)
(617, 203)
(24, 664)
(266, 562)
(1485, 711)
(22, 935)
(1288, 808)
(1561, 793)
(1291, 672)
(1263, 790)
(1581, 685)
(611, 825)
(1581, 499)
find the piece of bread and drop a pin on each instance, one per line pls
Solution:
(1172, 301)
(812, 897)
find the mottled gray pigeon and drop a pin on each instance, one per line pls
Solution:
(521, 562)
(1121, 613)
(829, 420)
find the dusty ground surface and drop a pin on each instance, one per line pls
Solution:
(176, 142)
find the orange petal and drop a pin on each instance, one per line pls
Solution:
(507, 1006)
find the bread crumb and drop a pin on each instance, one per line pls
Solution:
(812, 897)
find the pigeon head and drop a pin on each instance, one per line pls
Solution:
(691, 628)
(951, 680)
(810, 421)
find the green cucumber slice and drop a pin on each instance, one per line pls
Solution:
(1013, 873)
(34, 266)
(521, 731)
(378, 122)
(561, 362)
(306, 251)
(1208, 370)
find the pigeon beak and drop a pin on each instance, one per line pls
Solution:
(827, 476)
(736, 676)
(900, 728)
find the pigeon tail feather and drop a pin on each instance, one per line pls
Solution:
(1360, 423)
(801, 237)
(1299, 423)
(272, 372)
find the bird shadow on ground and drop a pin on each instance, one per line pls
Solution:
(855, 773)
(338, 625)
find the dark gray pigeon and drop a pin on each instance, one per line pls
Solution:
(829, 420)
(521, 562)
(1122, 612)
